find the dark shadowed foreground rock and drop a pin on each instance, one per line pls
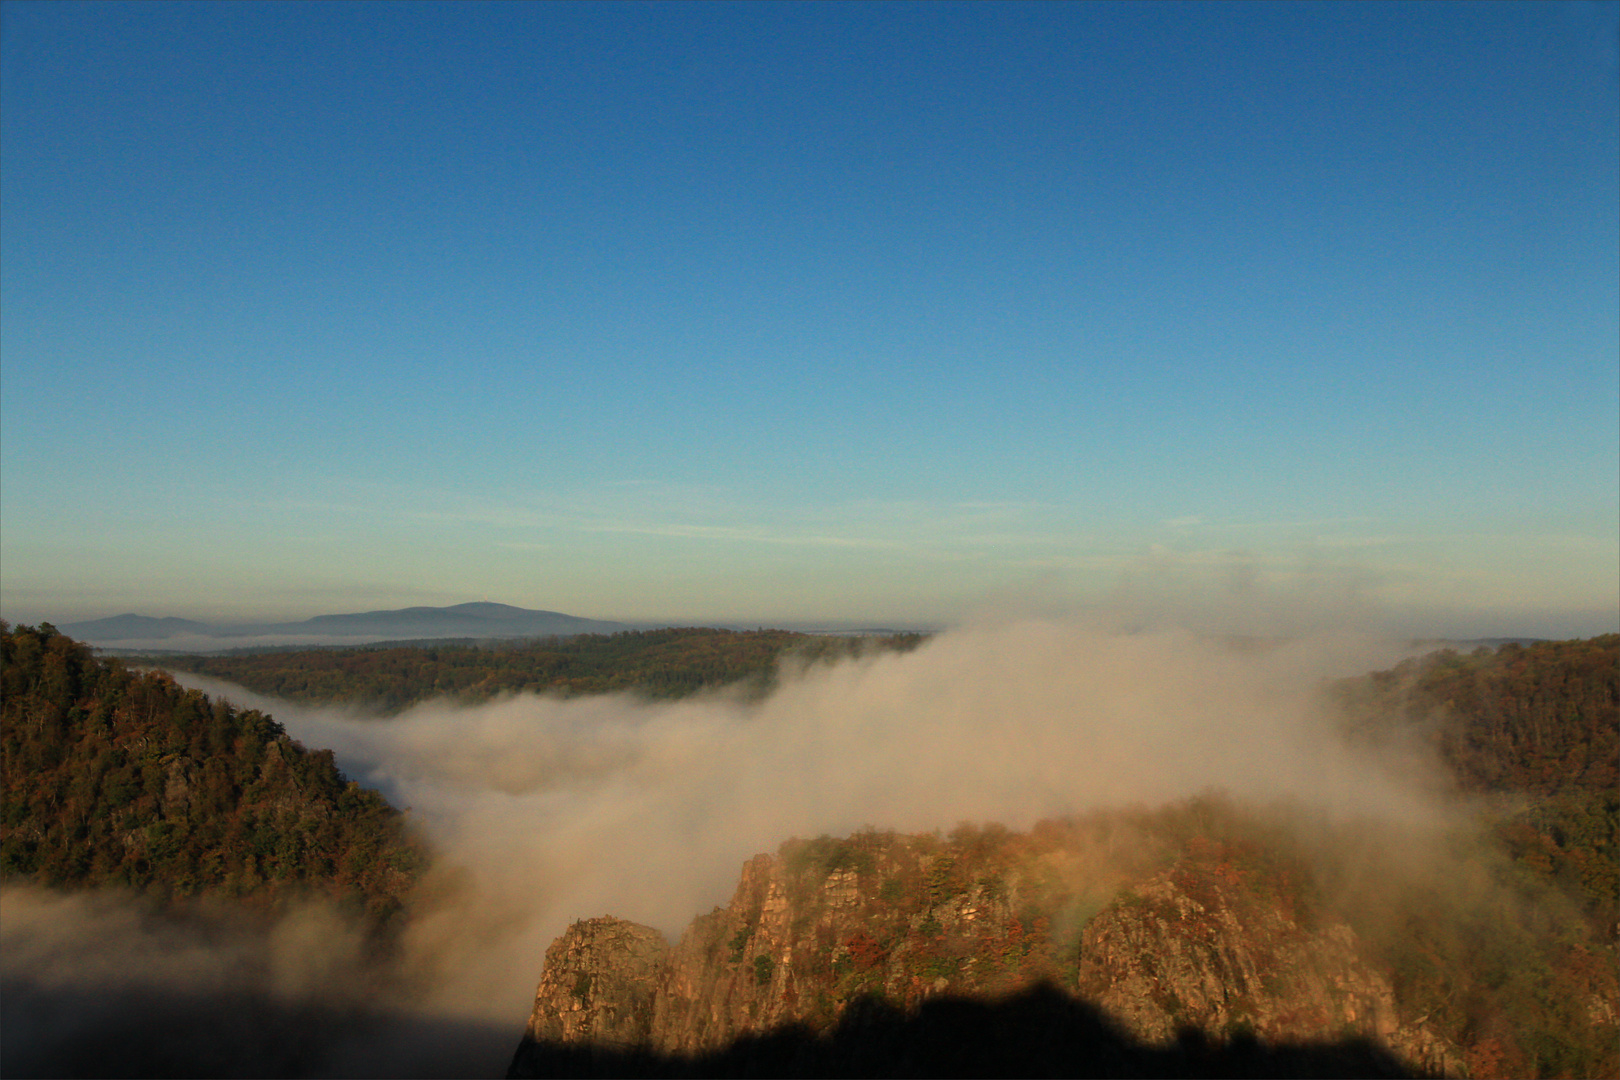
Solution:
(1041, 1031)
(993, 954)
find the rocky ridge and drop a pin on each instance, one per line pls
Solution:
(1194, 949)
(1199, 949)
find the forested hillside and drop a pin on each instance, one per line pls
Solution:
(118, 778)
(668, 663)
(1536, 730)
(1542, 719)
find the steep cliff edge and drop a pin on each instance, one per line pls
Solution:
(1192, 948)
(1197, 950)
(599, 985)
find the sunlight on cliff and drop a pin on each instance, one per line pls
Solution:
(545, 811)
(555, 810)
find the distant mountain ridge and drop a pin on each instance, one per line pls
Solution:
(480, 619)
(119, 627)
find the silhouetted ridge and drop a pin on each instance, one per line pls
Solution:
(479, 619)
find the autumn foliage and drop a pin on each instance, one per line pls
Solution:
(119, 778)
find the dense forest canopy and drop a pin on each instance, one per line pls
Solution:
(1533, 729)
(667, 663)
(118, 778)
(1540, 719)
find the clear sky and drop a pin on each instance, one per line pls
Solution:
(783, 312)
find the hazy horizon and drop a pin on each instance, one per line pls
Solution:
(1216, 615)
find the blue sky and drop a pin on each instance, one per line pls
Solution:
(787, 313)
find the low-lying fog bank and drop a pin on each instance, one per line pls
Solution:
(545, 811)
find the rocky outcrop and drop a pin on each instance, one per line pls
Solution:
(599, 985)
(1193, 949)
(903, 923)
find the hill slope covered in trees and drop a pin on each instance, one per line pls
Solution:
(118, 778)
(668, 663)
(1532, 731)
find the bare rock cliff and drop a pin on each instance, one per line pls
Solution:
(1189, 949)
(909, 923)
(599, 985)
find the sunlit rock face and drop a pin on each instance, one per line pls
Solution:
(599, 985)
(824, 929)
(1196, 948)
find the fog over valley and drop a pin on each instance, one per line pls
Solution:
(541, 811)
(650, 807)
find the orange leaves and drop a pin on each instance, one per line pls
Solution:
(865, 951)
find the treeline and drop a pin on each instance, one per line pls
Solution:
(1542, 719)
(1535, 727)
(669, 663)
(116, 778)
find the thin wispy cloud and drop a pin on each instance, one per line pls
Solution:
(731, 534)
(1199, 521)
